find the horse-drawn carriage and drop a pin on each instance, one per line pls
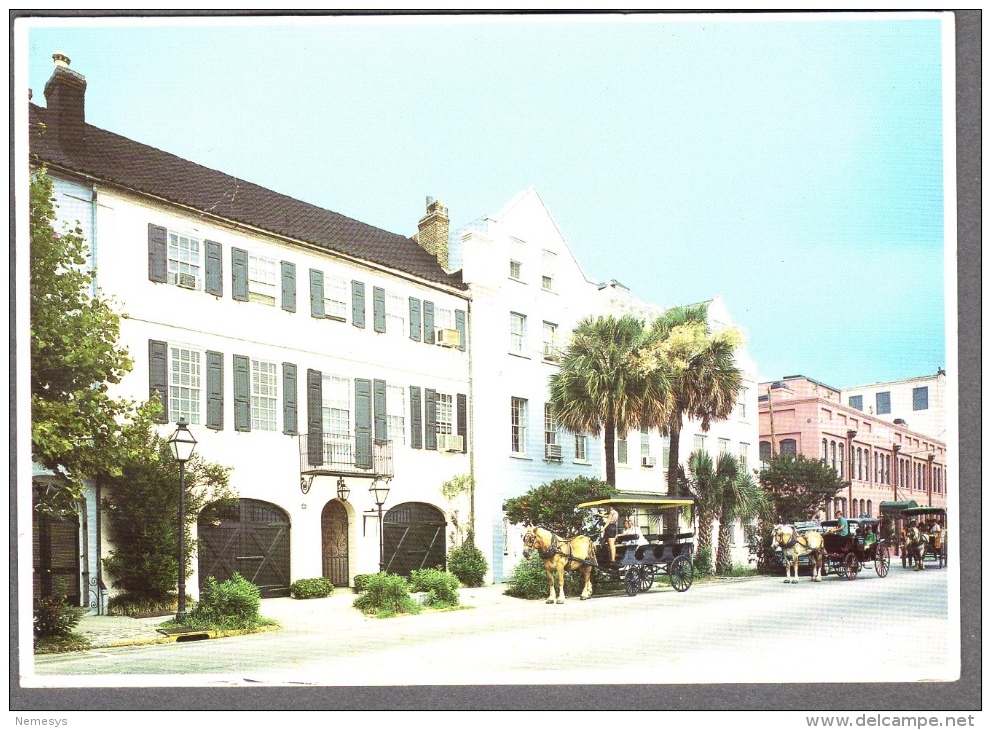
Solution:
(924, 536)
(846, 555)
(639, 558)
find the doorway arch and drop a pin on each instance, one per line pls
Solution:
(334, 534)
(414, 537)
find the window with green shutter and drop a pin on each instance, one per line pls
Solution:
(213, 282)
(362, 423)
(158, 376)
(288, 286)
(415, 326)
(290, 408)
(242, 393)
(239, 275)
(214, 390)
(358, 304)
(416, 418)
(378, 309)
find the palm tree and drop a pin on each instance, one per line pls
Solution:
(598, 389)
(700, 366)
(702, 484)
(741, 498)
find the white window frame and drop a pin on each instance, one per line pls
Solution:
(518, 425)
(263, 279)
(550, 341)
(516, 255)
(549, 271)
(395, 314)
(264, 395)
(336, 297)
(723, 446)
(444, 414)
(581, 447)
(550, 426)
(186, 383)
(395, 413)
(744, 457)
(336, 414)
(517, 332)
(184, 259)
(699, 442)
(443, 318)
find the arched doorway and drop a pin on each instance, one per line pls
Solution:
(414, 537)
(334, 529)
(249, 537)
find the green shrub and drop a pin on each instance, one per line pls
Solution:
(53, 617)
(232, 604)
(442, 587)
(361, 581)
(703, 561)
(385, 594)
(311, 588)
(529, 580)
(468, 564)
(126, 604)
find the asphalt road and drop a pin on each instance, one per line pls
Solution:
(757, 630)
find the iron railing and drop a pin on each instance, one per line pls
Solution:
(344, 455)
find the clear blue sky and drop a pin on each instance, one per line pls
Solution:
(792, 165)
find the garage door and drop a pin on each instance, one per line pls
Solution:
(250, 538)
(413, 534)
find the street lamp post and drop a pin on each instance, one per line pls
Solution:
(182, 444)
(380, 493)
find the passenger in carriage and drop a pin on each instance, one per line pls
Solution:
(631, 530)
(869, 538)
(609, 531)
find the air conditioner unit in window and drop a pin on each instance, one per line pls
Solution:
(448, 338)
(550, 352)
(552, 452)
(187, 281)
(450, 442)
(648, 461)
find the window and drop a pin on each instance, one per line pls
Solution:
(395, 314)
(743, 458)
(518, 426)
(789, 446)
(517, 332)
(336, 424)
(856, 401)
(825, 451)
(842, 461)
(395, 410)
(723, 446)
(644, 444)
(263, 277)
(741, 404)
(581, 447)
(516, 249)
(185, 383)
(920, 398)
(550, 342)
(883, 402)
(622, 450)
(699, 442)
(185, 261)
(550, 266)
(665, 452)
(264, 392)
(335, 297)
(550, 426)
(765, 451)
(445, 413)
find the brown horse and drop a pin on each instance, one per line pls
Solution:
(915, 542)
(559, 555)
(794, 545)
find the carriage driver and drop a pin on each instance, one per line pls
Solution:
(842, 526)
(610, 530)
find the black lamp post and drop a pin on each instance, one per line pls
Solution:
(342, 490)
(380, 493)
(182, 444)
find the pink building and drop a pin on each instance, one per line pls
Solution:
(881, 460)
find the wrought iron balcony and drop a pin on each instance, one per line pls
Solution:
(325, 454)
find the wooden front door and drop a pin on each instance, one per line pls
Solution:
(334, 528)
(414, 538)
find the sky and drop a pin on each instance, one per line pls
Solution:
(792, 164)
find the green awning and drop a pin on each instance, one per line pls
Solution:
(890, 509)
(647, 501)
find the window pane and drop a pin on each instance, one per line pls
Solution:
(920, 399)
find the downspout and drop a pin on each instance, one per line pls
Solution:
(92, 243)
(471, 423)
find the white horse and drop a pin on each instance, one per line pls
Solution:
(794, 545)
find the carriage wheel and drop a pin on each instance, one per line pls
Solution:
(645, 577)
(882, 561)
(630, 581)
(851, 566)
(681, 573)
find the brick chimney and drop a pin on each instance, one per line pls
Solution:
(434, 230)
(65, 94)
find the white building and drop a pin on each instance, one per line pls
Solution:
(917, 403)
(528, 293)
(305, 349)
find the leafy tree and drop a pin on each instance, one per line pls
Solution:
(77, 428)
(142, 508)
(598, 389)
(552, 506)
(700, 368)
(798, 488)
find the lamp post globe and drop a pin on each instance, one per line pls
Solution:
(380, 493)
(182, 444)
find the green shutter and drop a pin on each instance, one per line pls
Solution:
(362, 423)
(430, 418)
(239, 275)
(463, 421)
(358, 304)
(381, 421)
(213, 274)
(158, 264)
(242, 393)
(428, 322)
(158, 376)
(290, 407)
(378, 308)
(288, 286)
(415, 327)
(215, 390)
(416, 418)
(314, 417)
(459, 324)
(316, 294)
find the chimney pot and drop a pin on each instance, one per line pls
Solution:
(61, 59)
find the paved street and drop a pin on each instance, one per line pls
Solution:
(756, 630)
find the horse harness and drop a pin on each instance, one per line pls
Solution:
(555, 549)
(793, 541)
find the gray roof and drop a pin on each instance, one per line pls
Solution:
(114, 159)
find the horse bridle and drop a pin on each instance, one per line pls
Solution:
(530, 540)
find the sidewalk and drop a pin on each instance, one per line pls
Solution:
(291, 614)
